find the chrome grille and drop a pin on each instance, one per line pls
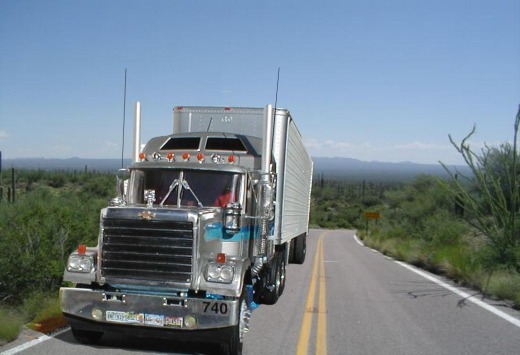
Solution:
(147, 250)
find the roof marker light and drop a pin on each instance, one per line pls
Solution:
(231, 159)
(185, 156)
(142, 156)
(200, 158)
(170, 156)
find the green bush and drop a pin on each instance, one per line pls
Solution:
(504, 284)
(11, 324)
(43, 226)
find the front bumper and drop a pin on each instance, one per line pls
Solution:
(99, 310)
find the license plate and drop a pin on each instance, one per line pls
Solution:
(154, 320)
(125, 317)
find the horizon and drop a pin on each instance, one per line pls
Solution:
(312, 157)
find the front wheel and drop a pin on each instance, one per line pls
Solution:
(236, 341)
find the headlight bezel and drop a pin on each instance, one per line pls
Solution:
(81, 263)
(220, 272)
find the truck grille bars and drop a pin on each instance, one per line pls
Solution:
(137, 251)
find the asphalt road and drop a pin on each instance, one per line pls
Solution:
(345, 299)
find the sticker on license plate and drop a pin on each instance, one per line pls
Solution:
(175, 322)
(155, 320)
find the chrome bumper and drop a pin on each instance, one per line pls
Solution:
(148, 310)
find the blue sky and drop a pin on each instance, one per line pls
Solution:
(370, 80)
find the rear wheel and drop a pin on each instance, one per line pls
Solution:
(299, 249)
(276, 280)
(86, 336)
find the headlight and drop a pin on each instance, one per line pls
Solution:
(80, 263)
(220, 273)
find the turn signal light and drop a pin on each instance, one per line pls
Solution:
(221, 258)
(82, 249)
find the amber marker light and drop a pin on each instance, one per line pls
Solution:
(231, 159)
(200, 157)
(170, 156)
(221, 258)
(142, 156)
(82, 249)
(185, 156)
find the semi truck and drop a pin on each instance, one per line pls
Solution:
(205, 221)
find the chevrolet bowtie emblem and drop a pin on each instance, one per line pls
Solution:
(146, 215)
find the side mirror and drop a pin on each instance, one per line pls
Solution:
(232, 214)
(122, 176)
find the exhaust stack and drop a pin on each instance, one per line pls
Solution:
(267, 189)
(137, 132)
(267, 144)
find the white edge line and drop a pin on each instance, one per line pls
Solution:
(358, 241)
(466, 296)
(488, 307)
(32, 343)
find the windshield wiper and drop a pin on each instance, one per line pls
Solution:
(174, 184)
(187, 187)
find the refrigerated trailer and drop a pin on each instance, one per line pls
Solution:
(205, 221)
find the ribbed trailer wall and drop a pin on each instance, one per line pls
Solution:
(294, 179)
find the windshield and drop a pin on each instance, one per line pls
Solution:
(185, 187)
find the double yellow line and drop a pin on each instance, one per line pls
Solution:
(318, 276)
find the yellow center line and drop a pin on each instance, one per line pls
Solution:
(321, 341)
(305, 330)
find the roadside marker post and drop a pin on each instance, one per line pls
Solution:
(371, 215)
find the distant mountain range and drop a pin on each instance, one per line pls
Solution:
(330, 168)
(69, 164)
(353, 169)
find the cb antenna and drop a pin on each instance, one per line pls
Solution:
(276, 97)
(124, 119)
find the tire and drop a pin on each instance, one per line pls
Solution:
(86, 336)
(236, 340)
(283, 270)
(292, 247)
(276, 280)
(300, 249)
